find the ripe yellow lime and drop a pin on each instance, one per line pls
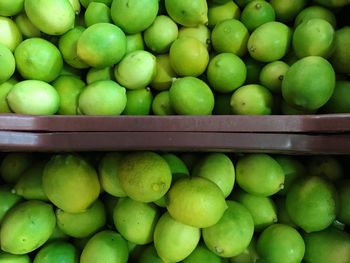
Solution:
(218, 12)
(138, 102)
(341, 55)
(11, 8)
(200, 32)
(202, 254)
(272, 74)
(11, 258)
(161, 104)
(14, 164)
(174, 241)
(7, 60)
(56, 252)
(164, 73)
(315, 11)
(70, 182)
(10, 35)
(287, 10)
(97, 12)
(26, 27)
(232, 234)
(338, 102)
(27, 226)
(256, 13)
(8, 200)
(196, 201)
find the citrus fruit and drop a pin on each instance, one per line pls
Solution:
(200, 32)
(272, 74)
(191, 96)
(53, 17)
(188, 56)
(222, 104)
(11, 8)
(57, 252)
(270, 41)
(134, 42)
(161, 34)
(57, 235)
(11, 258)
(280, 243)
(106, 246)
(27, 226)
(164, 73)
(287, 10)
(70, 182)
(9, 199)
(231, 36)
(144, 176)
(4, 90)
(340, 57)
(101, 45)
(311, 203)
(309, 83)
(232, 234)
(248, 255)
(9, 64)
(10, 35)
(136, 70)
(134, 16)
(218, 12)
(254, 68)
(315, 11)
(243, 3)
(282, 213)
(196, 201)
(76, 6)
(97, 12)
(135, 220)
(173, 240)
(26, 27)
(33, 97)
(226, 72)
(338, 102)
(344, 197)
(259, 174)
(149, 255)
(14, 164)
(326, 166)
(187, 13)
(251, 99)
(332, 3)
(139, 102)
(161, 104)
(95, 74)
(202, 254)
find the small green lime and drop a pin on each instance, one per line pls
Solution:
(218, 12)
(97, 12)
(134, 42)
(57, 252)
(272, 74)
(7, 59)
(138, 102)
(14, 164)
(9, 199)
(161, 104)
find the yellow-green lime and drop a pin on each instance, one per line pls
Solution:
(196, 201)
(218, 12)
(135, 220)
(149, 255)
(191, 96)
(53, 17)
(202, 254)
(173, 240)
(26, 27)
(161, 34)
(33, 97)
(177, 165)
(338, 102)
(27, 226)
(71, 183)
(134, 42)
(106, 246)
(187, 13)
(311, 203)
(57, 252)
(272, 74)
(326, 166)
(10, 35)
(4, 90)
(340, 58)
(344, 198)
(14, 164)
(134, 16)
(248, 255)
(188, 56)
(7, 60)
(11, 8)
(8, 200)
(103, 97)
(101, 45)
(256, 13)
(259, 174)
(161, 104)
(11, 258)
(280, 243)
(97, 12)
(138, 102)
(136, 70)
(226, 72)
(287, 10)
(200, 32)
(164, 73)
(232, 234)
(95, 74)
(230, 35)
(309, 83)
(315, 11)
(144, 176)
(222, 104)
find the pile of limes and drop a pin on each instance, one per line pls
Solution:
(146, 206)
(166, 57)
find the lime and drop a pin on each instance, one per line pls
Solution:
(144, 176)
(85, 3)
(70, 182)
(287, 10)
(135, 220)
(222, 104)
(26, 27)
(134, 16)
(344, 197)
(9, 199)
(308, 83)
(202, 254)
(286, 109)
(282, 213)
(251, 99)
(311, 203)
(139, 102)
(97, 13)
(232, 234)
(270, 41)
(231, 36)
(315, 11)
(101, 45)
(53, 17)
(95, 74)
(256, 13)
(272, 74)
(10, 35)
(57, 234)
(106, 246)
(57, 252)
(164, 73)
(196, 201)
(9, 64)
(134, 42)
(259, 174)
(76, 6)
(174, 241)
(187, 13)
(338, 102)
(332, 3)
(27, 226)
(11, 258)
(14, 164)
(161, 34)
(226, 72)
(326, 166)
(200, 32)
(161, 104)
(177, 165)
(218, 12)
(191, 96)
(4, 90)
(188, 56)
(341, 55)
(11, 8)
(136, 70)
(243, 3)
(280, 243)
(149, 255)
(248, 255)
(254, 68)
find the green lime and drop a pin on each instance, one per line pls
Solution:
(191, 96)
(222, 104)
(27, 226)
(7, 59)
(14, 164)
(177, 165)
(134, 16)
(218, 12)
(144, 176)
(282, 213)
(311, 203)
(58, 234)
(344, 198)
(315, 11)
(287, 10)
(57, 252)
(249, 255)
(173, 240)
(139, 102)
(26, 27)
(232, 234)
(326, 166)
(4, 90)
(251, 99)
(96, 74)
(340, 58)
(202, 254)
(71, 183)
(256, 13)
(10, 35)
(309, 83)
(200, 32)
(272, 74)
(243, 3)
(280, 243)
(135, 220)
(9, 200)
(164, 73)
(134, 42)
(231, 36)
(11, 258)
(85, 3)
(259, 174)
(338, 102)
(226, 72)
(187, 13)
(161, 104)
(254, 68)
(332, 3)
(11, 8)
(97, 12)
(149, 255)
